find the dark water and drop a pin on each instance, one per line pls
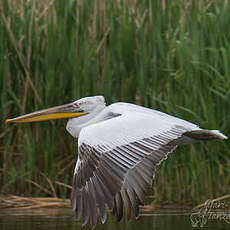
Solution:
(63, 219)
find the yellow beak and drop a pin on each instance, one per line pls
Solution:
(70, 110)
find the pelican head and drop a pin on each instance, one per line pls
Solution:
(79, 112)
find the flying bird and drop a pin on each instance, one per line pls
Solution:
(119, 147)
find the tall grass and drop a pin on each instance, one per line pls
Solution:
(173, 56)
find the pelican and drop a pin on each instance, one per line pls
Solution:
(119, 147)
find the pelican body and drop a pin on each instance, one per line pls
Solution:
(119, 147)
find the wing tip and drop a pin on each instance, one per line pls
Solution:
(219, 135)
(205, 135)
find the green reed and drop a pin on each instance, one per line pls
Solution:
(169, 55)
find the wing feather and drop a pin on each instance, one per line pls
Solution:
(106, 193)
(100, 199)
(118, 206)
(126, 203)
(93, 205)
(85, 207)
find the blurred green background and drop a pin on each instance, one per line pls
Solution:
(172, 56)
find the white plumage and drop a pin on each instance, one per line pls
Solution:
(118, 150)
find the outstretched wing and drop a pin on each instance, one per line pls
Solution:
(116, 163)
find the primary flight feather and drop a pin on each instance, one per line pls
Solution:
(119, 147)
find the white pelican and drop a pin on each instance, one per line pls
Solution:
(119, 147)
